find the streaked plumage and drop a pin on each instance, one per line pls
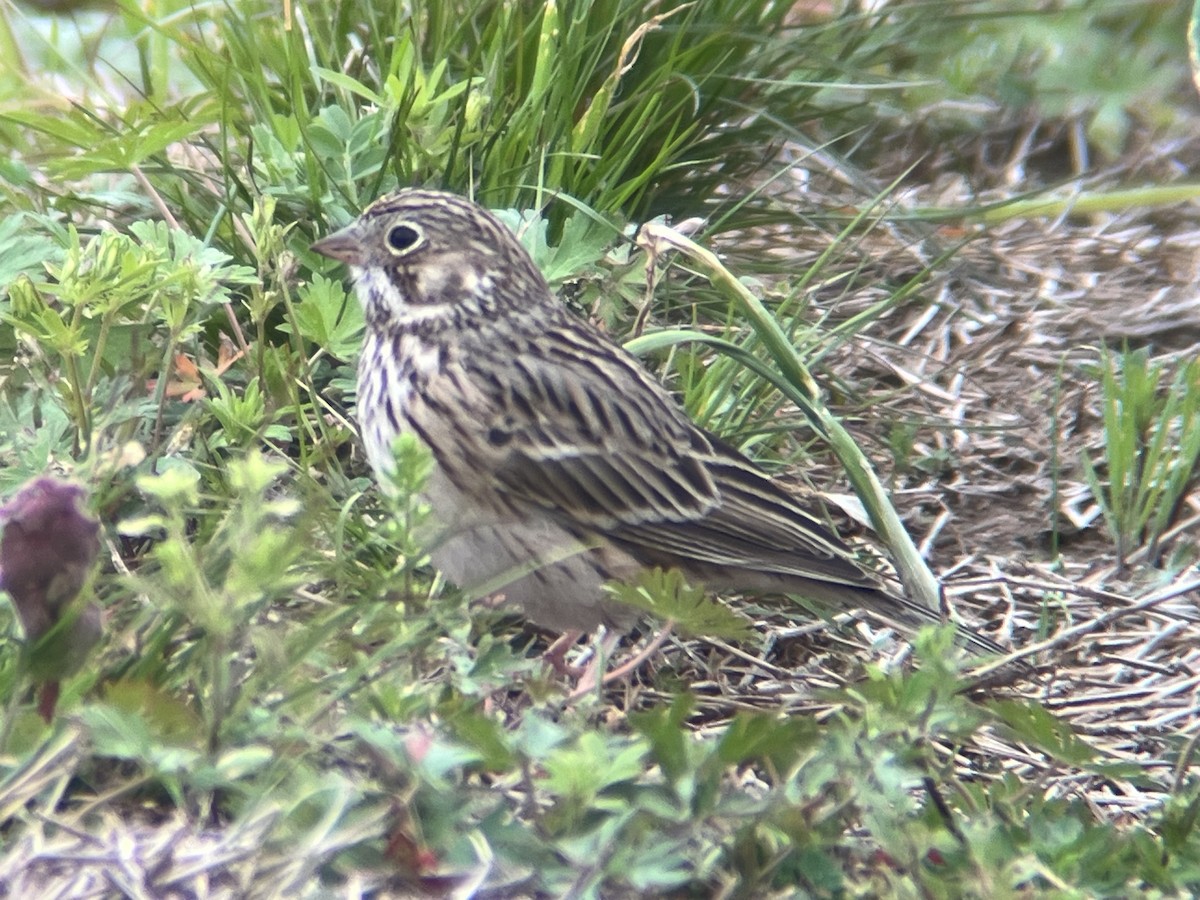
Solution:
(561, 463)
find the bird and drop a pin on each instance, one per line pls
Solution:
(560, 463)
(48, 550)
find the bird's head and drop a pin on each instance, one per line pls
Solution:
(426, 256)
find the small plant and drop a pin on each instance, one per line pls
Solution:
(120, 307)
(216, 572)
(1151, 446)
(1056, 58)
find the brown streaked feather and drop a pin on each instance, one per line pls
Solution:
(546, 433)
(658, 483)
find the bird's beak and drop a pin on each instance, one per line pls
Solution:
(344, 246)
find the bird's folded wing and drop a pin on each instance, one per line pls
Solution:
(624, 461)
(595, 440)
(757, 528)
(599, 490)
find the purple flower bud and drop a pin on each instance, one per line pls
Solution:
(47, 550)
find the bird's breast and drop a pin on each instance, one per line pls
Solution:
(392, 373)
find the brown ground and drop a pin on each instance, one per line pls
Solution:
(995, 360)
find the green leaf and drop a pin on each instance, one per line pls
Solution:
(665, 594)
(594, 762)
(586, 240)
(754, 736)
(1032, 723)
(24, 248)
(329, 317)
(169, 717)
(344, 81)
(486, 737)
(665, 728)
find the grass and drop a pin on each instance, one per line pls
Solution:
(287, 702)
(1151, 448)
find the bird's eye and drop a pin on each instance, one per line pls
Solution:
(402, 237)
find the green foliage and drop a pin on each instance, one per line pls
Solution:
(220, 579)
(1151, 446)
(665, 594)
(414, 466)
(24, 249)
(329, 318)
(605, 101)
(585, 241)
(278, 661)
(1056, 59)
(1193, 39)
(106, 302)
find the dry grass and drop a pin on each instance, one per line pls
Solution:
(993, 359)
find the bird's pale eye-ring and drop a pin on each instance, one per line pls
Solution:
(403, 237)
